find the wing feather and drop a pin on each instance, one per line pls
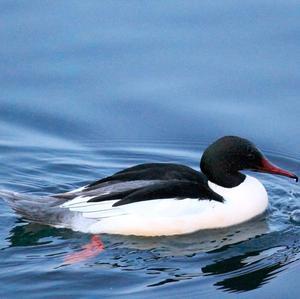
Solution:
(113, 196)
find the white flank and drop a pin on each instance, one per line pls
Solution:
(172, 216)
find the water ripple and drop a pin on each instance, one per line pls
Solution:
(235, 259)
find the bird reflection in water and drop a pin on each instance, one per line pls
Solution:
(235, 259)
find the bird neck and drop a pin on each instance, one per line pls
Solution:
(221, 176)
(226, 180)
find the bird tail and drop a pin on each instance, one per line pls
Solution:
(41, 209)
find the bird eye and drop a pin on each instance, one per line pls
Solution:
(251, 156)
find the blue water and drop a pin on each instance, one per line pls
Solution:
(88, 88)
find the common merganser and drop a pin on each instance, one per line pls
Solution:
(156, 199)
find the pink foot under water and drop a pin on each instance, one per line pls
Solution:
(88, 251)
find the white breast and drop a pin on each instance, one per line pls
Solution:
(242, 203)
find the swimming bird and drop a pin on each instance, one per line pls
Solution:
(155, 199)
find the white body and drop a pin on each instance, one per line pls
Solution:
(171, 216)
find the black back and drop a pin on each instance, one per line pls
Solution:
(168, 181)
